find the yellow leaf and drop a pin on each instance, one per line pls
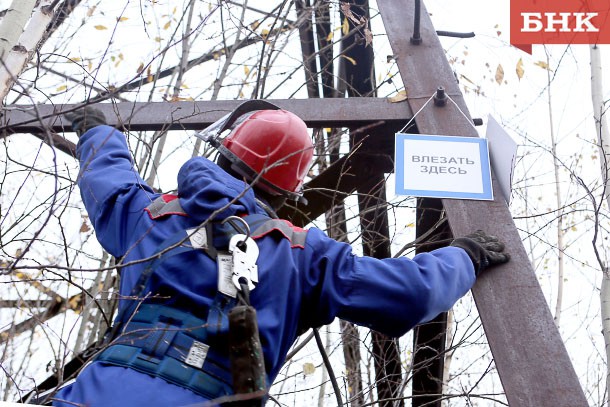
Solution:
(246, 70)
(74, 303)
(264, 33)
(84, 227)
(90, 11)
(542, 64)
(167, 25)
(62, 87)
(158, 39)
(308, 368)
(330, 36)
(255, 25)
(499, 74)
(75, 59)
(122, 19)
(345, 26)
(410, 225)
(100, 27)
(352, 60)
(140, 67)
(519, 69)
(399, 97)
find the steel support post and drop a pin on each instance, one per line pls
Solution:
(360, 80)
(531, 358)
(376, 243)
(429, 338)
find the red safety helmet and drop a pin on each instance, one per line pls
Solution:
(266, 144)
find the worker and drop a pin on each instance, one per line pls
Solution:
(170, 347)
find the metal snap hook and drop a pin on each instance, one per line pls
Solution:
(237, 223)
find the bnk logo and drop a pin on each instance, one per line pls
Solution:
(559, 22)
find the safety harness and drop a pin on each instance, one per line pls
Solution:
(178, 346)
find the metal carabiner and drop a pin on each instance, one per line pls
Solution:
(233, 220)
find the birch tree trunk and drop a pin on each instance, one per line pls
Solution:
(560, 231)
(17, 58)
(603, 142)
(13, 22)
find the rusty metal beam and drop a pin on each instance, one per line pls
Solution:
(429, 339)
(359, 80)
(531, 358)
(308, 48)
(197, 115)
(335, 217)
(376, 243)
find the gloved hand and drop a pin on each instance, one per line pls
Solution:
(483, 250)
(85, 119)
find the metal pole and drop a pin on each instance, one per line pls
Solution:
(528, 351)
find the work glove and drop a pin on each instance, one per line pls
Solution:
(85, 119)
(483, 250)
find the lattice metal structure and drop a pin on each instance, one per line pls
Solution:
(530, 356)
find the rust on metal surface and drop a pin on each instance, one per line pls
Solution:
(531, 358)
(338, 112)
(429, 339)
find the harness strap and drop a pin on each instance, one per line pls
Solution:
(165, 342)
(166, 204)
(260, 225)
(294, 234)
(171, 344)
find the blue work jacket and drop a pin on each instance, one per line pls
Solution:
(300, 286)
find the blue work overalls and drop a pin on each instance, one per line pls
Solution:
(300, 285)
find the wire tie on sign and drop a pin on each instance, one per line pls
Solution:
(418, 112)
(469, 120)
